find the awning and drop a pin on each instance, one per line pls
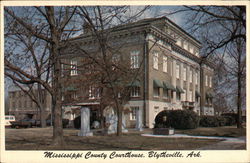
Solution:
(157, 83)
(179, 90)
(167, 85)
(197, 94)
(209, 95)
(134, 84)
(70, 88)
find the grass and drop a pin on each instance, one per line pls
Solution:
(227, 131)
(41, 139)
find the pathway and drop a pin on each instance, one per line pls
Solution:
(227, 143)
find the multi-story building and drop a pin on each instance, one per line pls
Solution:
(173, 76)
(21, 105)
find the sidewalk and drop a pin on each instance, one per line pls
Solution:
(227, 143)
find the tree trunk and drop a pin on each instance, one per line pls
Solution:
(56, 82)
(119, 124)
(42, 117)
(239, 98)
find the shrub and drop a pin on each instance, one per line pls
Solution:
(179, 119)
(214, 121)
(230, 120)
(209, 121)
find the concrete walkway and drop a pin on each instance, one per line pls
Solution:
(227, 143)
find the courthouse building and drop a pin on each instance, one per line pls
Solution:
(174, 76)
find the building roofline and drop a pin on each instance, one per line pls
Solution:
(142, 22)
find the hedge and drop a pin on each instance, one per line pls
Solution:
(216, 121)
(178, 119)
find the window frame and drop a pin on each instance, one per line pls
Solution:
(155, 60)
(134, 59)
(177, 71)
(135, 92)
(132, 115)
(73, 67)
(165, 64)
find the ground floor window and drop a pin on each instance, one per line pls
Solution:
(133, 112)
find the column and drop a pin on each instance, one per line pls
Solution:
(85, 122)
(124, 123)
(174, 79)
(139, 119)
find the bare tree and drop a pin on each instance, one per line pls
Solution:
(222, 30)
(47, 26)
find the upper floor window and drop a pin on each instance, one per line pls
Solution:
(191, 76)
(165, 93)
(155, 60)
(73, 95)
(94, 92)
(184, 73)
(184, 95)
(177, 71)
(115, 60)
(190, 96)
(165, 64)
(134, 59)
(206, 80)
(156, 91)
(73, 67)
(62, 70)
(135, 92)
(196, 78)
(210, 81)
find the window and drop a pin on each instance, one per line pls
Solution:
(177, 71)
(178, 95)
(156, 91)
(134, 59)
(73, 96)
(94, 92)
(135, 92)
(210, 82)
(73, 67)
(165, 93)
(62, 70)
(191, 76)
(185, 74)
(155, 60)
(165, 64)
(115, 60)
(184, 95)
(133, 112)
(190, 96)
(206, 80)
(196, 78)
